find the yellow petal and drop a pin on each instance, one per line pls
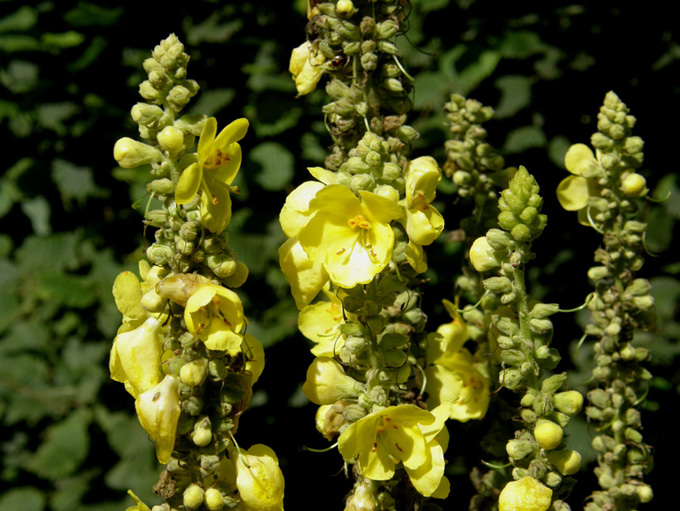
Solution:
(427, 477)
(424, 224)
(305, 277)
(578, 157)
(254, 352)
(527, 494)
(259, 479)
(325, 176)
(415, 256)
(127, 292)
(216, 206)
(443, 385)
(207, 140)
(572, 193)
(233, 132)
(380, 208)
(158, 410)
(295, 212)
(227, 173)
(189, 183)
(136, 357)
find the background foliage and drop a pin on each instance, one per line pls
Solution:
(69, 71)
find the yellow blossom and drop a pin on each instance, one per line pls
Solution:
(215, 315)
(254, 356)
(527, 494)
(320, 323)
(576, 191)
(158, 410)
(351, 237)
(423, 222)
(135, 358)
(404, 434)
(306, 66)
(327, 382)
(140, 505)
(219, 160)
(259, 479)
(305, 277)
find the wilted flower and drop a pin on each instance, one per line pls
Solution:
(306, 68)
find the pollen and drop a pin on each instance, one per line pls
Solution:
(359, 221)
(217, 160)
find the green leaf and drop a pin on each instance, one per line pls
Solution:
(63, 40)
(19, 76)
(431, 88)
(86, 14)
(19, 21)
(75, 183)
(473, 74)
(26, 336)
(38, 211)
(69, 290)
(276, 165)
(12, 43)
(70, 492)
(56, 252)
(524, 138)
(53, 115)
(22, 499)
(557, 148)
(521, 44)
(65, 447)
(515, 95)
(212, 101)
(213, 30)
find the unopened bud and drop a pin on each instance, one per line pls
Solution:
(518, 449)
(548, 434)
(633, 185)
(568, 462)
(193, 373)
(344, 8)
(146, 115)
(171, 139)
(193, 496)
(131, 153)
(239, 277)
(569, 402)
(481, 255)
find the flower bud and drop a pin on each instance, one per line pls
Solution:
(569, 402)
(202, 434)
(362, 499)
(221, 264)
(527, 494)
(568, 462)
(498, 285)
(193, 496)
(213, 499)
(548, 434)
(149, 92)
(327, 382)
(344, 8)
(481, 255)
(193, 373)
(518, 449)
(171, 139)
(633, 184)
(146, 115)
(239, 277)
(393, 85)
(131, 153)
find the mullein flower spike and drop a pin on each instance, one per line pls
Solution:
(182, 350)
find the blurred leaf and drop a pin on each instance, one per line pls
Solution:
(470, 77)
(557, 148)
(63, 40)
(272, 116)
(65, 447)
(38, 211)
(276, 165)
(89, 55)
(212, 101)
(212, 30)
(53, 115)
(16, 43)
(431, 88)
(666, 293)
(524, 138)
(19, 21)
(25, 336)
(520, 44)
(69, 290)
(312, 149)
(75, 183)
(23, 385)
(56, 252)
(86, 14)
(19, 76)
(22, 499)
(515, 95)
(70, 491)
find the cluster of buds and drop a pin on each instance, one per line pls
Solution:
(523, 334)
(353, 43)
(182, 351)
(622, 303)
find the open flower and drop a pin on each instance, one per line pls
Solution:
(327, 382)
(219, 160)
(350, 237)
(423, 222)
(306, 67)
(320, 323)
(576, 191)
(215, 315)
(259, 479)
(526, 494)
(404, 434)
(158, 410)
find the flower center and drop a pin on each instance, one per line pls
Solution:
(217, 159)
(359, 221)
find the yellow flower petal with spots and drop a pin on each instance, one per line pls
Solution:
(214, 314)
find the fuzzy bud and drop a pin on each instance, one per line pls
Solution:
(569, 402)
(171, 139)
(193, 496)
(213, 499)
(131, 153)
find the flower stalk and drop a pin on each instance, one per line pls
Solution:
(182, 351)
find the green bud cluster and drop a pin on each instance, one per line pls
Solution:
(621, 305)
(523, 333)
(368, 86)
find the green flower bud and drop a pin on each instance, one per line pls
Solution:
(497, 239)
(499, 285)
(156, 217)
(569, 402)
(147, 115)
(344, 8)
(548, 434)
(393, 85)
(161, 187)
(160, 254)
(369, 62)
(149, 92)
(540, 325)
(510, 378)
(388, 47)
(519, 449)
(213, 499)
(390, 171)
(407, 134)
(553, 383)
(131, 153)
(644, 303)
(553, 479)
(521, 233)
(568, 462)
(192, 405)
(513, 357)
(193, 373)
(528, 415)
(193, 496)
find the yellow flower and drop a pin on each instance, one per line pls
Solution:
(219, 159)
(574, 192)
(327, 382)
(158, 410)
(320, 323)
(140, 505)
(254, 356)
(527, 494)
(306, 68)
(215, 315)
(259, 479)
(351, 237)
(404, 434)
(423, 222)
(482, 255)
(305, 277)
(135, 358)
